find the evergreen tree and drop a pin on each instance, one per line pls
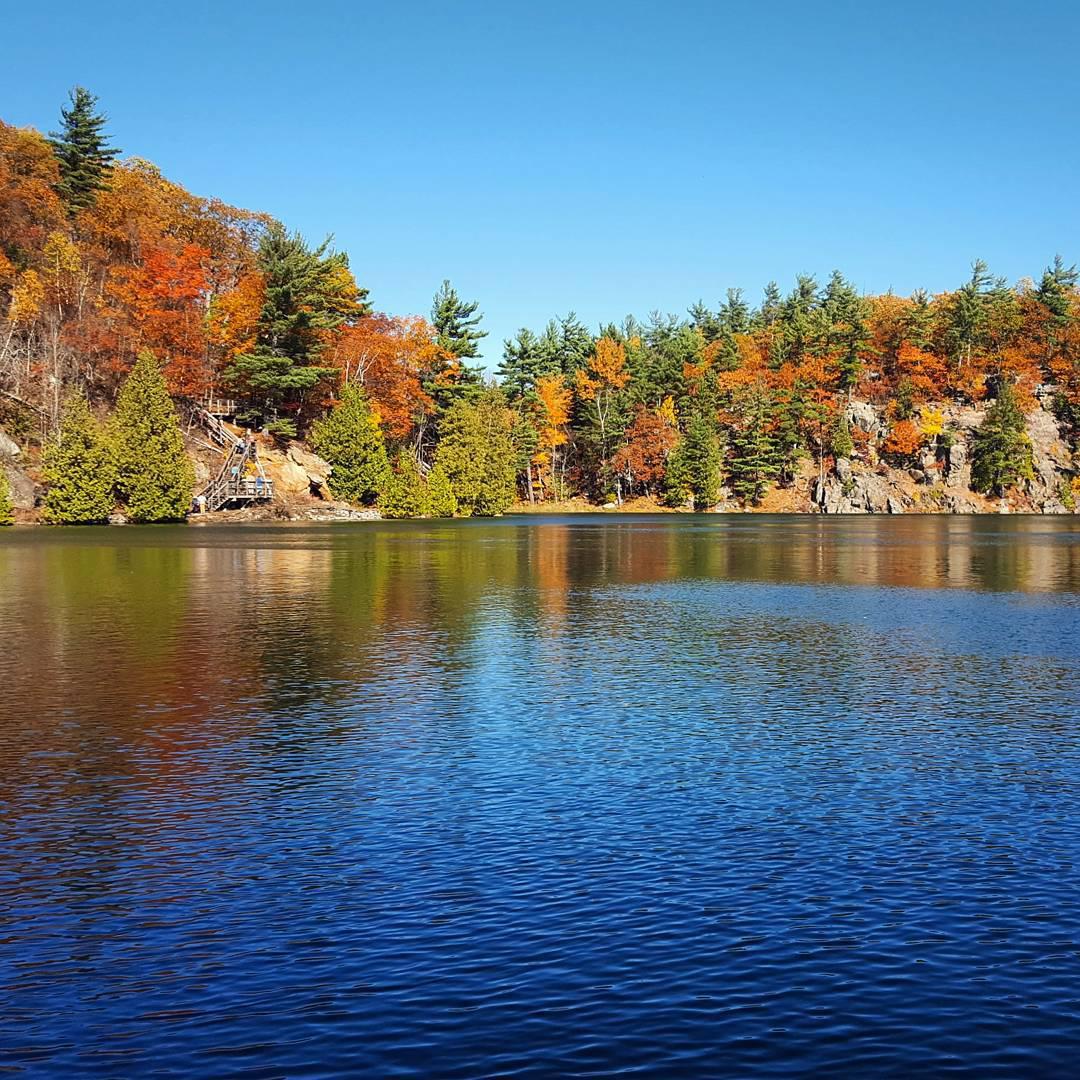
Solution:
(440, 494)
(154, 475)
(349, 438)
(693, 470)
(525, 359)
(846, 329)
(457, 323)
(842, 444)
(477, 453)
(307, 293)
(1002, 455)
(82, 150)
(7, 510)
(79, 469)
(752, 458)
(457, 333)
(404, 494)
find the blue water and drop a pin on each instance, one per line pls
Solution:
(542, 797)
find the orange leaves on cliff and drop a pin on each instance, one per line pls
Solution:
(391, 358)
(160, 306)
(926, 373)
(904, 440)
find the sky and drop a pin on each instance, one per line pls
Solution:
(603, 157)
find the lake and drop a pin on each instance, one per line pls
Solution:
(542, 796)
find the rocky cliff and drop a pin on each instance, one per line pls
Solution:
(940, 482)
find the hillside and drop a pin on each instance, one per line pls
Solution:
(820, 398)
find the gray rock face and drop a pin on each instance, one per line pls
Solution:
(957, 472)
(863, 415)
(855, 493)
(23, 492)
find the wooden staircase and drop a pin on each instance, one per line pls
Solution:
(232, 485)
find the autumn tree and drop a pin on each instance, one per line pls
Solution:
(391, 358)
(598, 387)
(476, 452)
(160, 307)
(649, 442)
(554, 399)
(83, 151)
(350, 438)
(154, 475)
(1002, 454)
(79, 469)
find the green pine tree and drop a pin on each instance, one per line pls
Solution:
(79, 468)
(752, 463)
(693, 470)
(842, 444)
(307, 292)
(154, 475)
(1002, 455)
(349, 437)
(440, 494)
(7, 510)
(83, 151)
(477, 453)
(404, 494)
(457, 323)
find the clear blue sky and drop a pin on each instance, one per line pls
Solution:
(609, 157)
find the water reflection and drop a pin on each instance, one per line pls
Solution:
(587, 793)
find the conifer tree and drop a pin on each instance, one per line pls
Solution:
(308, 292)
(350, 438)
(457, 323)
(7, 510)
(842, 444)
(154, 475)
(1002, 454)
(693, 470)
(752, 459)
(440, 494)
(82, 150)
(79, 469)
(404, 493)
(477, 453)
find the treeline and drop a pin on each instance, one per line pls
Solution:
(103, 261)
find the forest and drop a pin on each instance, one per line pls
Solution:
(121, 292)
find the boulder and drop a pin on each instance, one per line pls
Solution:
(9, 448)
(318, 470)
